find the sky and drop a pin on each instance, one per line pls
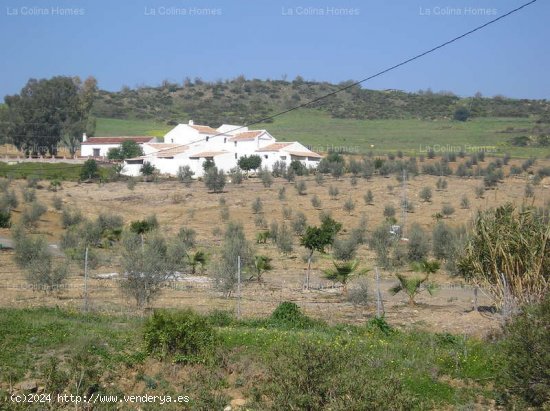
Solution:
(143, 42)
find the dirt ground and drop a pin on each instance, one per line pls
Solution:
(449, 310)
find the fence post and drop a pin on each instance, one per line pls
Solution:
(239, 287)
(86, 280)
(379, 303)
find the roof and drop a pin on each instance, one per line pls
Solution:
(204, 129)
(247, 135)
(304, 154)
(274, 147)
(206, 154)
(171, 151)
(118, 140)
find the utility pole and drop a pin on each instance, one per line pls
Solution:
(379, 302)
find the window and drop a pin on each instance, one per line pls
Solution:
(225, 140)
(235, 144)
(265, 155)
(235, 155)
(172, 140)
(283, 157)
(96, 152)
(207, 138)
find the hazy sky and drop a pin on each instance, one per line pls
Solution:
(143, 42)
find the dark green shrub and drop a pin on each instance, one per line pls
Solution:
(288, 314)
(5, 219)
(185, 336)
(527, 351)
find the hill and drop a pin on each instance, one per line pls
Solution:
(239, 101)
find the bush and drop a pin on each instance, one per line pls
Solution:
(236, 175)
(333, 192)
(185, 175)
(288, 314)
(529, 191)
(287, 213)
(315, 201)
(266, 177)
(184, 336)
(443, 239)
(5, 219)
(282, 194)
(89, 170)
(257, 206)
(418, 245)
(441, 184)
(480, 191)
(214, 179)
(301, 187)
(29, 195)
(426, 194)
(447, 210)
(57, 203)
(369, 198)
(147, 169)
(464, 202)
(389, 211)
(284, 239)
(349, 205)
(526, 349)
(358, 293)
(344, 249)
(299, 223)
(71, 217)
(131, 184)
(32, 214)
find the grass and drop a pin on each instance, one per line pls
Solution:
(423, 363)
(45, 171)
(322, 132)
(107, 127)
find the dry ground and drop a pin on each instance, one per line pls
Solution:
(175, 206)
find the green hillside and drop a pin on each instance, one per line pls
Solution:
(322, 132)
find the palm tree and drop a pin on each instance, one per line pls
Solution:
(198, 257)
(343, 271)
(262, 264)
(411, 286)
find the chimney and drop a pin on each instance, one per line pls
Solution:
(84, 137)
(191, 122)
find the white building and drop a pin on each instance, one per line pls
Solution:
(98, 147)
(190, 144)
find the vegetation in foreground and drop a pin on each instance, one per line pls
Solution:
(286, 361)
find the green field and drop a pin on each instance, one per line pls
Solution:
(68, 351)
(107, 127)
(322, 132)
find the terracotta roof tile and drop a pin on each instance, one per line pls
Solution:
(117, 140)
(205, 154)
(247, 135)
(304, 154)
(204, 129)
(274, 147)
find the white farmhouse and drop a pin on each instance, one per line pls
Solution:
(191, 145)
(98, 147)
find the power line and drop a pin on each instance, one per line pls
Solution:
(378, 74)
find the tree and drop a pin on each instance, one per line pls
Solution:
(208, 164)
(381, 242)
(257, 206)
(49, 110)
(128, 149)
(411, 286)
(234, 246)
(89, 170)
(197, 258)
(262, 264)
(443, 238)
(418, 245)
(214, 179)
(34, 256)
(369, 198)
(146, 267)
(185, 175)
(147, 169)
(507, 254)
(461, 114)
(301, 187)
(426, 194)
(342, 272)
(349, 205)
(318, 238)
(248, 163)
(266, 177)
